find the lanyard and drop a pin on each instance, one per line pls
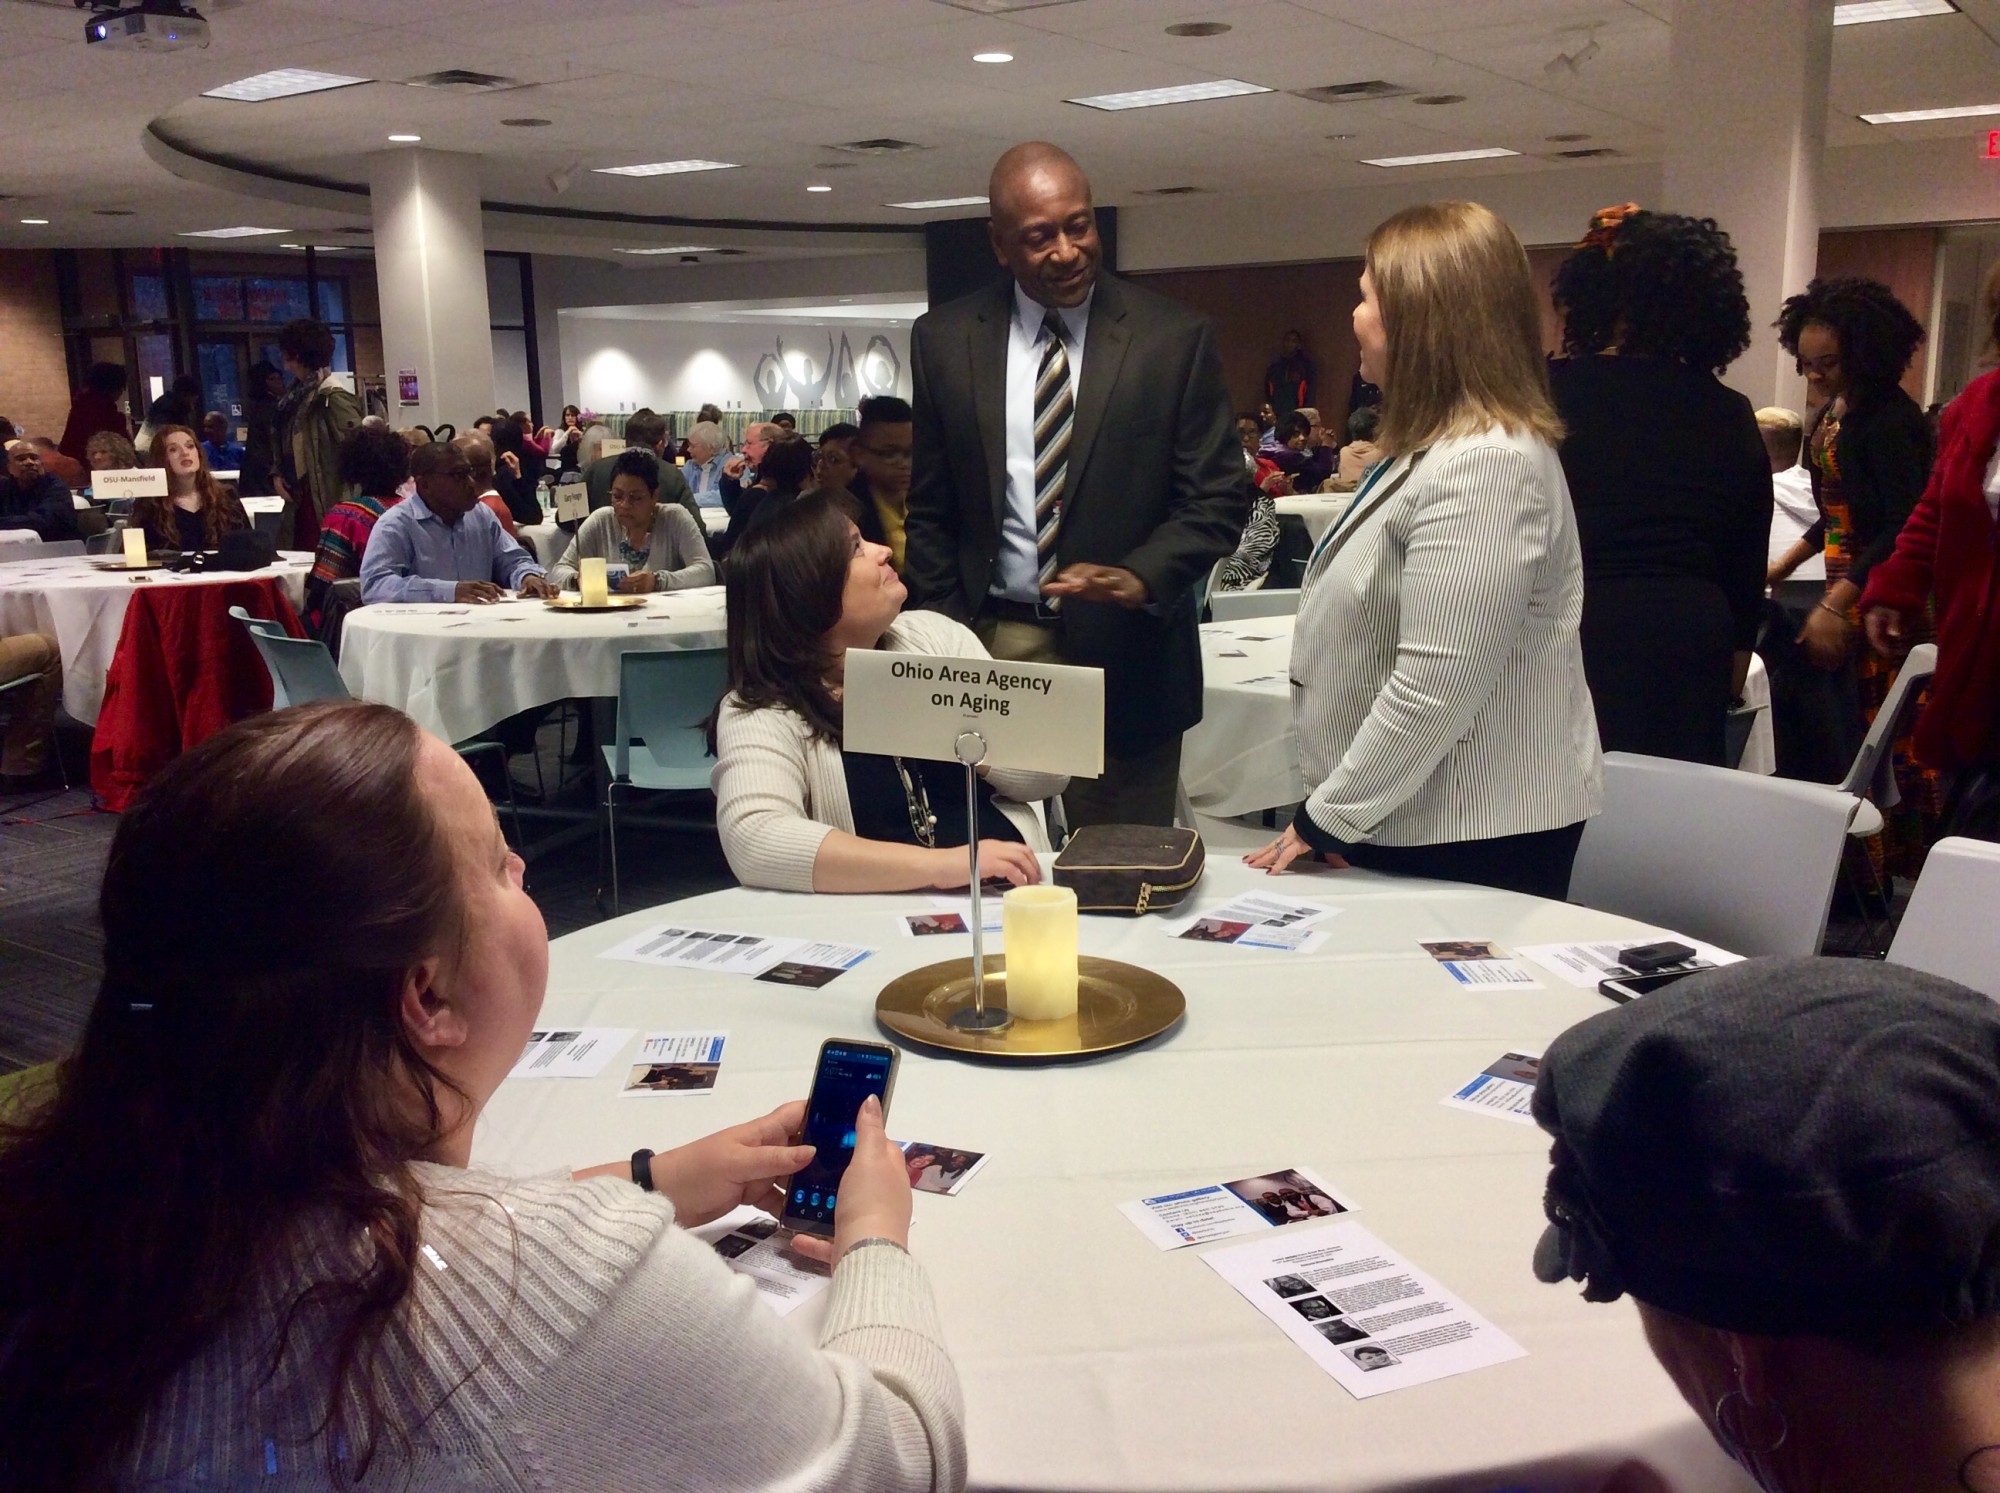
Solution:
(1374, 475)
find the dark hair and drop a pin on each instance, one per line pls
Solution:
(885, 409)
(483, 423)
(1252, 416)
(783, 417)
(307, 342)
(1659, 285)
(374, 459)
(1363, 421)
(266, 1069)
(1878, 335)
(710, 412)
(261, 374)
(1291, 423)
(839, 431)
(428, 459)
(107, 379)
(787, 464)
(645, 429)
(782, 589)
(219, 515)
(570, 409)
(635, 462)
(506, 436)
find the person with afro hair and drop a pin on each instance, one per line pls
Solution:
(1667, 475)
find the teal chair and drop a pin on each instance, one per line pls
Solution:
(658, 743)
(22, 1090)
(302, 671)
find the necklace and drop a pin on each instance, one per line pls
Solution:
(923, 823)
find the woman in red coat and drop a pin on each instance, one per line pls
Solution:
(1949, 550)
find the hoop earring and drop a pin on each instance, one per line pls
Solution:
(1732, 1438)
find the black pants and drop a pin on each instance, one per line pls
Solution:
(1537, 863)
(1657, 653)
(1816, 722)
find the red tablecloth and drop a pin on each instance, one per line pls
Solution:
(184, 669)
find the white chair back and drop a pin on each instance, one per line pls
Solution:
(1949, 928)
(48, 549)
(1736, 859)
(1236, 606)
(1873, 761)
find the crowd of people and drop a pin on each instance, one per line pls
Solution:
(1788, 1165)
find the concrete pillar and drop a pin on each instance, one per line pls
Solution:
(430, 271)
(1745, 142)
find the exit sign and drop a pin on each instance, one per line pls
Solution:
(1993, 145)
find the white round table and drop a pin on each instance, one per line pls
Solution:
(83, 608)
(1319, 510)
(1243, 756)
(1090, 1358)
(458, 669)
(19, 544)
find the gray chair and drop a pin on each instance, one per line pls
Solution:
(658, 742)
(1949, 928)
(51, 549)
(1237, 606)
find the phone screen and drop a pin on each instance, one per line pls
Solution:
(848, 1073)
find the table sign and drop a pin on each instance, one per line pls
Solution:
(572, 503)
(132, 482)
(260, 505)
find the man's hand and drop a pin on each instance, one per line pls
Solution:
(736, 466)
(1099, 583)
(1824, 638)
(481, 592)
(536, 585)
(511, 462)
(1884, 626)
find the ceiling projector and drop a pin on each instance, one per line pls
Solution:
(158, 27)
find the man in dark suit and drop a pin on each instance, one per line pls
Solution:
(1077, 476)
(644, 431)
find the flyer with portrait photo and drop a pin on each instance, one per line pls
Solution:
(579, 1052)
(1222, 1210)
(943, 1170)
(751, 1244)
(1502, 1089)
(1477, 961)
(676, 1063)
(1257, 920)
(1360, 1311)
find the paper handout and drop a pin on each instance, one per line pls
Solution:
(579, 1052)
(1502, 1089)
(676, 1063)
(1222, 1210)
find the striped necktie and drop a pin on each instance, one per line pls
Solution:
(1054, 413)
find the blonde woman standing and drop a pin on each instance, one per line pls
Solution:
(1445, 728)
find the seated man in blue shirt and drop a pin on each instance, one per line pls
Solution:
(224, 455)
(442, 544)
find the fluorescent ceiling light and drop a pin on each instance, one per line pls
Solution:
(665, 168)
(918, 207)
(36, 222)
(992, 56)
(1491, 152)
(284, 82)
(672, 249)
(1180, 93)
(818, 188)
(1860, 12)
(406, 139)
(1917, 116)
(231, 232)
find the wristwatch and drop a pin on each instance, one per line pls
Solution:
(642, 1169)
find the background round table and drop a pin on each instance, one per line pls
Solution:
(83, 609)
(458, 669)
(1243, 756)
(1093, 1360)
(19, 544)
(1318, 510)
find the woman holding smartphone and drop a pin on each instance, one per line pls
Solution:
(296, 1273)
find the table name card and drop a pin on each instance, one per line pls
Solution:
(1037, 717)
(133, 482)
(572, 503)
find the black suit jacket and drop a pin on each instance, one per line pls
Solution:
(1155, 485)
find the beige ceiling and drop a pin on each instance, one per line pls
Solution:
(772, 83)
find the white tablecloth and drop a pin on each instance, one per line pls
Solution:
(460, 669)
(1243, 756)
(1319, 510)
(19, 544)
(83, 609)
(1092, 1360)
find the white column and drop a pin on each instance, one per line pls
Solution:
(430, 271)
(1746, 138)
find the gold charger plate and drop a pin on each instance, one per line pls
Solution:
(124, 565)
(1118, 1005)
(573, 603)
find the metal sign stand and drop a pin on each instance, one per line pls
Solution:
(977, 1017)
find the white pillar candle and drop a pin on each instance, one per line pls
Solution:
(592, 582)
(135, 546)
(1038, 929)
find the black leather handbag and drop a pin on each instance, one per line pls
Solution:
(1130, 868)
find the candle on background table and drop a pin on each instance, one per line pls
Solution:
(135, 546)
(593, 583)
(1038, 932)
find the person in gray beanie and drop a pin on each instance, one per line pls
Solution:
(1793, 1167)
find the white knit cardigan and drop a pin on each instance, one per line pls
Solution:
(778, 791)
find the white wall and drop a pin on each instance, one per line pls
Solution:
(616, 365)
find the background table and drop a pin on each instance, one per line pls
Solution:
(19, 544)
(1318, 510)
(1092, 1360)
(83, 609)
(460, 669)
(1243, 756)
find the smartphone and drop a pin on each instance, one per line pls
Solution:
(848, 1072)
(1622, 988)
(1651, 958)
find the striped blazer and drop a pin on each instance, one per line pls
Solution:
(1437, 681)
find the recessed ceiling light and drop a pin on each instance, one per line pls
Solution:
(1198, 28)
(406, 139)
(992, 56)
(36, 222)
(1439, 98)
(1568, 137)
(665, 168)
(1917, 116)
(1491, 152)
(1862, 11)
(917, 207)
(1002, 7)
(1180, 93)
(230, 232)
(819, 187)
(670, 249)
(284, 82)
(526, 124)
(112, 212)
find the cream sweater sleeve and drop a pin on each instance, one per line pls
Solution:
(762, 810)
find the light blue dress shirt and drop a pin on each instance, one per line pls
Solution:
(704, 479)
(1017, 566)
(413, 555)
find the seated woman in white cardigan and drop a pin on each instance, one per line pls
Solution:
(660, 542)
(796, 812)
